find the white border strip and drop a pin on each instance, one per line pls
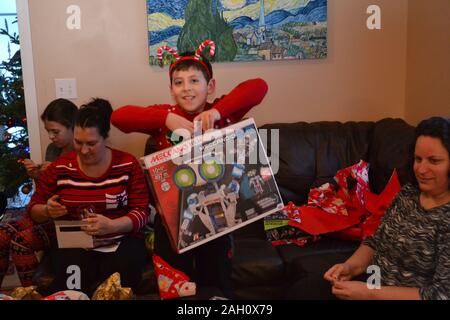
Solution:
(29, 82)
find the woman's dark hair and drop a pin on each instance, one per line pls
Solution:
(95, 114)
(62, 111)
(436, 127)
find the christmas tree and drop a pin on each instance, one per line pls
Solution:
(13, 129)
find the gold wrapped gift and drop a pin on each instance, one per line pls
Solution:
(26, 293)
(111, 289)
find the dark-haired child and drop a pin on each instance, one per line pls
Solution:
(58, 118)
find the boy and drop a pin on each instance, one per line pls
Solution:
(191, 82)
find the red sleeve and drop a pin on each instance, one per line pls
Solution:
(140, 119)
(137, 198)
(241, 99)
(46, 187)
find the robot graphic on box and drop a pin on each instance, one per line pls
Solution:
(215, 204)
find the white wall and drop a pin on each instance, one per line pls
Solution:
(363, 77)
(428, 74)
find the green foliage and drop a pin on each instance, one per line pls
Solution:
(13, 147)
(202, 22)
(293, 50)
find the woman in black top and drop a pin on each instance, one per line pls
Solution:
(411, 248)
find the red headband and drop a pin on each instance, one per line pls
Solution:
(203, 64)
(196, 57)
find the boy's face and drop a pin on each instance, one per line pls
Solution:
(190, 90)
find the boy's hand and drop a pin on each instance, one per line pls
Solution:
(208, 118)
(174, 121)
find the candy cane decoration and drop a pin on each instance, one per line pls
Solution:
(203, 45)
(159, 53)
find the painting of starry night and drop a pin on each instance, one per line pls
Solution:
(243, 30)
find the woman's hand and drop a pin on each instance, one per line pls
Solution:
(338, 272)
(33, 170)
(174, 122)
(44, 166)
(208, 118)
(99, 225)
(351, 290)
(54, 208)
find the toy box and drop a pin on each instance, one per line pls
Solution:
(70, 235)
(212, 184)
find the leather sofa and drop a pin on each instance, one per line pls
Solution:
(309, 155)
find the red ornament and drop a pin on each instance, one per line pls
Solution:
(24, 120)
(26, 189)
(10, 123)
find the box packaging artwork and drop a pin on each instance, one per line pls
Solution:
(212, 184)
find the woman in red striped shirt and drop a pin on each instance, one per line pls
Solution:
(113, 184)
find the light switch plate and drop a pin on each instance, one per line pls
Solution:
(66, 88)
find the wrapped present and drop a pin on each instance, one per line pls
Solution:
(349, 210)
(26, 293)
(282, 227)
(338, 200)
(332, 209)
(375, 207)
(172, 283)
(67, 295)
(325, 198)
(358, 172)
(111, 289)
(5, 297)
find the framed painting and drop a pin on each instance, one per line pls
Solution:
(243, 30)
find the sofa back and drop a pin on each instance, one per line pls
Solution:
(310, 154)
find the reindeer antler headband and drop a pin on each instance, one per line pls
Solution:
(196, 57)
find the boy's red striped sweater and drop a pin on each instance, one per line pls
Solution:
(121, 191)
